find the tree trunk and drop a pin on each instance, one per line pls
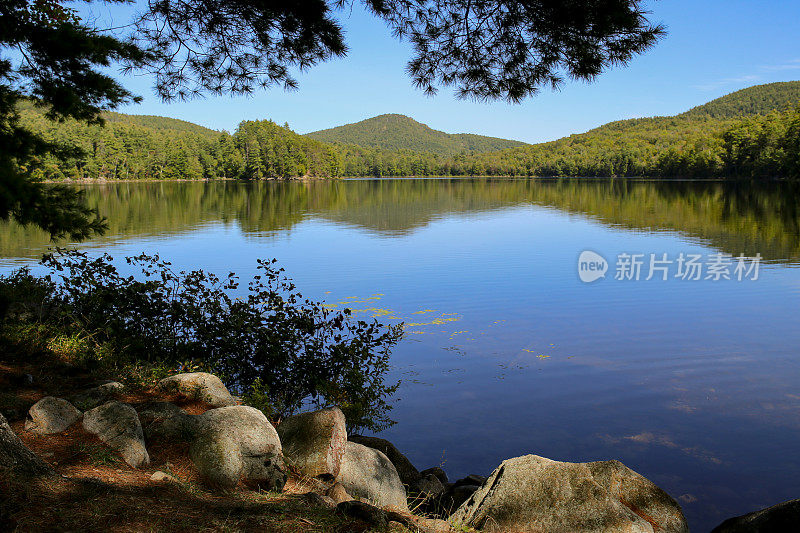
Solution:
(16, 458)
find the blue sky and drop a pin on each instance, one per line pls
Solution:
(712, 48)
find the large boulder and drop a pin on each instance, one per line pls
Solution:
(407, 471)
(167, 421)
(782, 517)
(51, 415)
(199, 386)
(117, 424)
(97, 395)
(368, 474)
(532, 493)
(238, 443)
(314, 443)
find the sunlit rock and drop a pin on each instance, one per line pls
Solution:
(533, 494)
(51, 415)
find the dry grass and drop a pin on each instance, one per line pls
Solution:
(91, 505)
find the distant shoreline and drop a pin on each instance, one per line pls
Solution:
(95, 181)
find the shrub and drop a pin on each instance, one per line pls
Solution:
(269, 344)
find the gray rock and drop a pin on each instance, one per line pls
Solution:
(91, 398)
(51, 415)
(199, 386)
(407, 471)
(532, 493)
(314, 443)
(238, 443)
(438, 472)
(427, 486)
(368, 474)
(117, 424)
(778, 518)
(167, 421)
(339, 494)
(162, 477)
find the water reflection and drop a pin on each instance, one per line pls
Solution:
(733, 217)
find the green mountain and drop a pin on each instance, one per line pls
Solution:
(399, 132)
(750, 133)
(160, 124)
(757, 100)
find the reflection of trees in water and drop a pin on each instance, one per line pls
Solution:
(735, 217)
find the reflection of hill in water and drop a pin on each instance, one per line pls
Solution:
(734, 217)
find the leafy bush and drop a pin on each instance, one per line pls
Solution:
(25, 296)
(271, 345)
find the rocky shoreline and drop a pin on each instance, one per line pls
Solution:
(365, 478)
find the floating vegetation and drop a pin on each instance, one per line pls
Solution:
(442, 319)
(424, 311)
(457, 333)
(362, 301)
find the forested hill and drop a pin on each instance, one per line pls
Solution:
(399, 132)
(163, 124)
(750, 133)
(758, 100)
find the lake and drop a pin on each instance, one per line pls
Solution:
(694, 383)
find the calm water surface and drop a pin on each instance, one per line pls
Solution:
(694, 384)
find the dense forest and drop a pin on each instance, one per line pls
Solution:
(750, 133)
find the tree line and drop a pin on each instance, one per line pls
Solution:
(690, 145)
